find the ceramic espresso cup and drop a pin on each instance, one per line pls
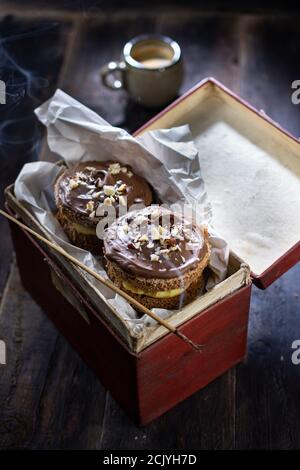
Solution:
(150, 70)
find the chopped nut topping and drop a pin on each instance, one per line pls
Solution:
(81, 175)
(109, 190)
(90, 206)
(130, 174)
(97, 194)
(175, 248)
(114, 168)
(162, 230)
(170, 241)
(92, 214)
(155, 233)
(73, 184)
(90, 168)
(122, 188)
(124, 169)
(158, 242)
(122, 200)
(143, 238)
(108, 201)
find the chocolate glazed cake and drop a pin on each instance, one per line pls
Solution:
(80, 190)
(157, 257)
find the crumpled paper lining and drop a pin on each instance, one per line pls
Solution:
(167, 158)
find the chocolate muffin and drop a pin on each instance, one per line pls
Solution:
(157, 257)
(80, 190)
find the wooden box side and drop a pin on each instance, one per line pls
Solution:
(169, 371)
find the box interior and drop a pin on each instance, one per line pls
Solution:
(238, 276)
(251, 170)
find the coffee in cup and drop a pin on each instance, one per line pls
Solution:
(151, 70)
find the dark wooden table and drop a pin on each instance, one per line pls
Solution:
(48, 397)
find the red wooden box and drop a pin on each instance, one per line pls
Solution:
(165, 371)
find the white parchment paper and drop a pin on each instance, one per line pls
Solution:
(167, 158)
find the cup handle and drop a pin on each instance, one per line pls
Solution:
(109, 77)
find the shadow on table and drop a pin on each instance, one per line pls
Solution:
(135, 115)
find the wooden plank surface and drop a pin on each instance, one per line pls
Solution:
(48, 397)
(268, 384)
(271, 63)
(31, 55)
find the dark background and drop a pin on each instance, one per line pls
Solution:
(48, 398)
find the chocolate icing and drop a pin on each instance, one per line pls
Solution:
(185, 247)
(92, 177)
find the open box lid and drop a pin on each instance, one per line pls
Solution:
(251, 168)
